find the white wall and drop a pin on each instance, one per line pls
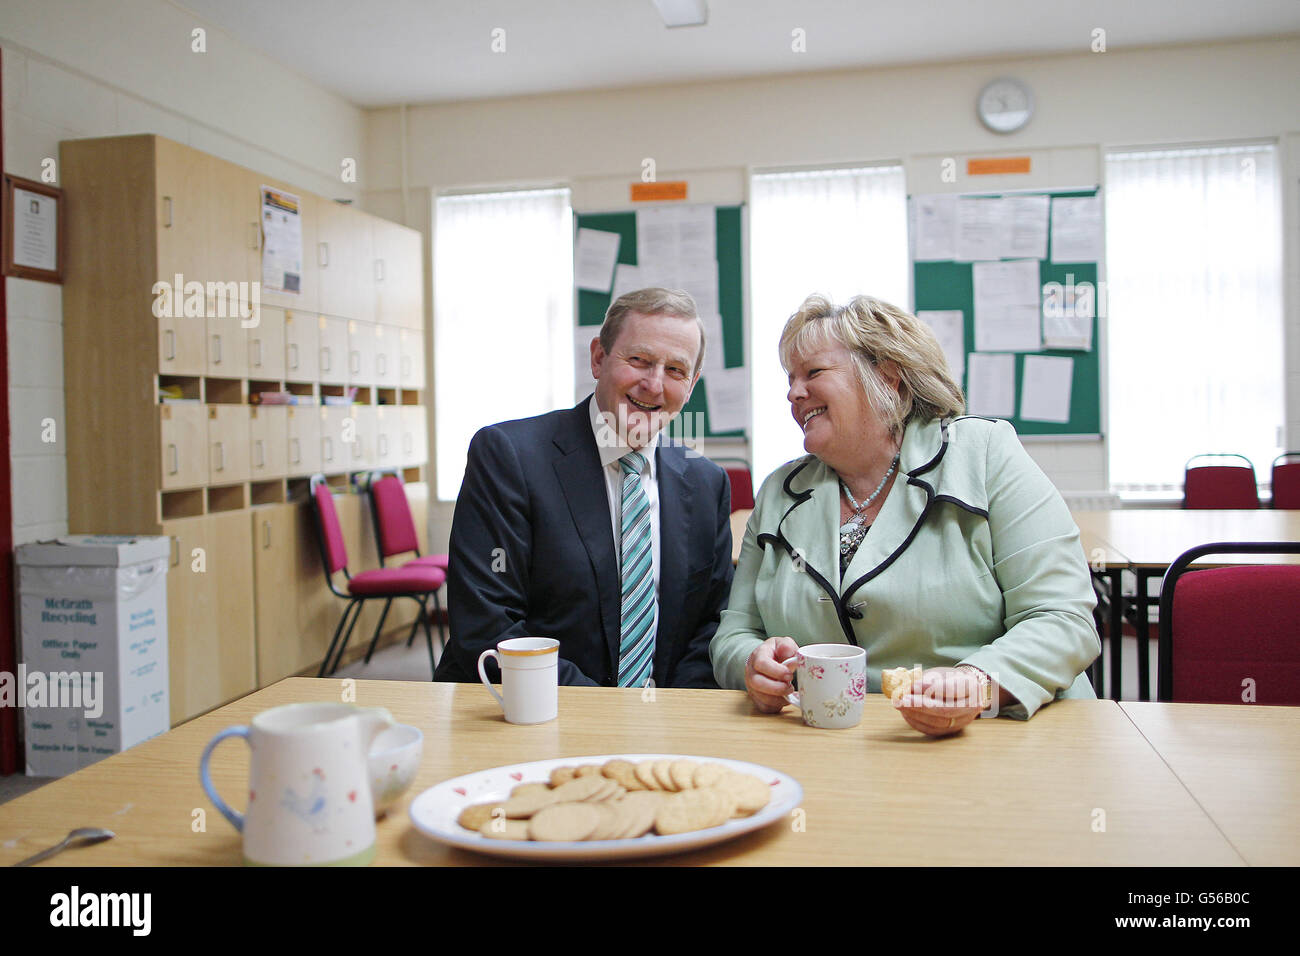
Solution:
(82, 68)
(713, 134)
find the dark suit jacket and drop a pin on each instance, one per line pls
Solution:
(532, 554)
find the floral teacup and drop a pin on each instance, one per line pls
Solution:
(832, 685)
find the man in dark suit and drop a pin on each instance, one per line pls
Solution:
(586, 526)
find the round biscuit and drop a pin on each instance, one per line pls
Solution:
(624, 771)
(526, 788)
(564, 822)
(682, 773)
(660, 770)
(646, 776)
(611, 822)
(589, 770)
(562, 775)
(706, 774)
(686, 811)
(579, 788)
(474, 816)
(750, 793)
(642, 807)
(525, 805)
(501, 829)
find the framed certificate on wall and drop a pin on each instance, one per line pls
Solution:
(33, 233)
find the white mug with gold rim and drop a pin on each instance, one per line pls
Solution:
(530, 669)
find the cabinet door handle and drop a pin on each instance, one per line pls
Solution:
(220, 448)
(266, 535)
(379, 270)
(325, 358)
(169, 348)
(176, 552)
(167, 212)
(406, 367)
(256, 234)
(383, 446)
(329, 448)
(293, 355)
(381, 361)
(216, 348)
(408, 443)
(323, 254)
(354, 360)
(176, 461)
(261, 454)
(255, 348)
(297, 451)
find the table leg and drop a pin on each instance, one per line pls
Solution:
(1116, 576)
(1143, 628)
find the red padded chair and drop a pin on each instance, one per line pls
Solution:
(1222, 626)
(395, 534)
(742, 482)
(416, 582)
(1286, 481)
(1219, 486)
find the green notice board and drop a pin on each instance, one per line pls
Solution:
(950, 285)
(593, 305)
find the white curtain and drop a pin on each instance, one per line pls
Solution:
(503, 316)
(839, 232)
(1194, 272)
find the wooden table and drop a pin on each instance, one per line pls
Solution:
(1003, 792)
(1146, 541)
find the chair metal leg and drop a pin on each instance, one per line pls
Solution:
(379, 628)
(442, 635)
(428, 637)
(415, 625)
(325, 664)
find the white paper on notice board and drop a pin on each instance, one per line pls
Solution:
(1076, 229)
(949, 328)
(714, 353)
(594, 259)
(626, 279)
(991, 388)
(1026, 232)
(981, 227)
(934, 228)
(727, 391)
(1045, 388)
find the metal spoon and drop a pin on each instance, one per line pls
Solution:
(84, 836)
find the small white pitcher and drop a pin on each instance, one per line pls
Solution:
(309, 800)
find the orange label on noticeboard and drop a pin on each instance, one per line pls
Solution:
(643, 192)
(997, 167)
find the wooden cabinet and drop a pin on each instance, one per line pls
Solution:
(399, 275)
(228, 444)
(210, 637)
(164, 266)
(266, 347)
(345, 262)
(410, 362)
(304, 444)
(301, 347)
(413, 440)
(183, 431)
(276, 539)
(333, 333)
(268, 452)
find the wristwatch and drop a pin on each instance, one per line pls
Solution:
(985, 684)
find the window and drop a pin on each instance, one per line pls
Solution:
(1194, 263)
(840, 232)
(503, 316)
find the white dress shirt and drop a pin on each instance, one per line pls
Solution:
(611, 448)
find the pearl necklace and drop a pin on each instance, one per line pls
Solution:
(856, 517)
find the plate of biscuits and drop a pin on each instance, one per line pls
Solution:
(619, 806)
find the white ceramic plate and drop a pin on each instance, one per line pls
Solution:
(434, 812)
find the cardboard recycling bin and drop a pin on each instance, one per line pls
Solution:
(92, 678)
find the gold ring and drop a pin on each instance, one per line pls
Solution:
(951, 721)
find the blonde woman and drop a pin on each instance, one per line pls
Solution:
(926, 537)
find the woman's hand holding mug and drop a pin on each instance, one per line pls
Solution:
(768, 673)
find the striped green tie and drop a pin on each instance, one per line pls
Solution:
(637, 646)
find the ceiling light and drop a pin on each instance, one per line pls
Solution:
(683, 13)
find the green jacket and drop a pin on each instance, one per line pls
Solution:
(974, 559)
